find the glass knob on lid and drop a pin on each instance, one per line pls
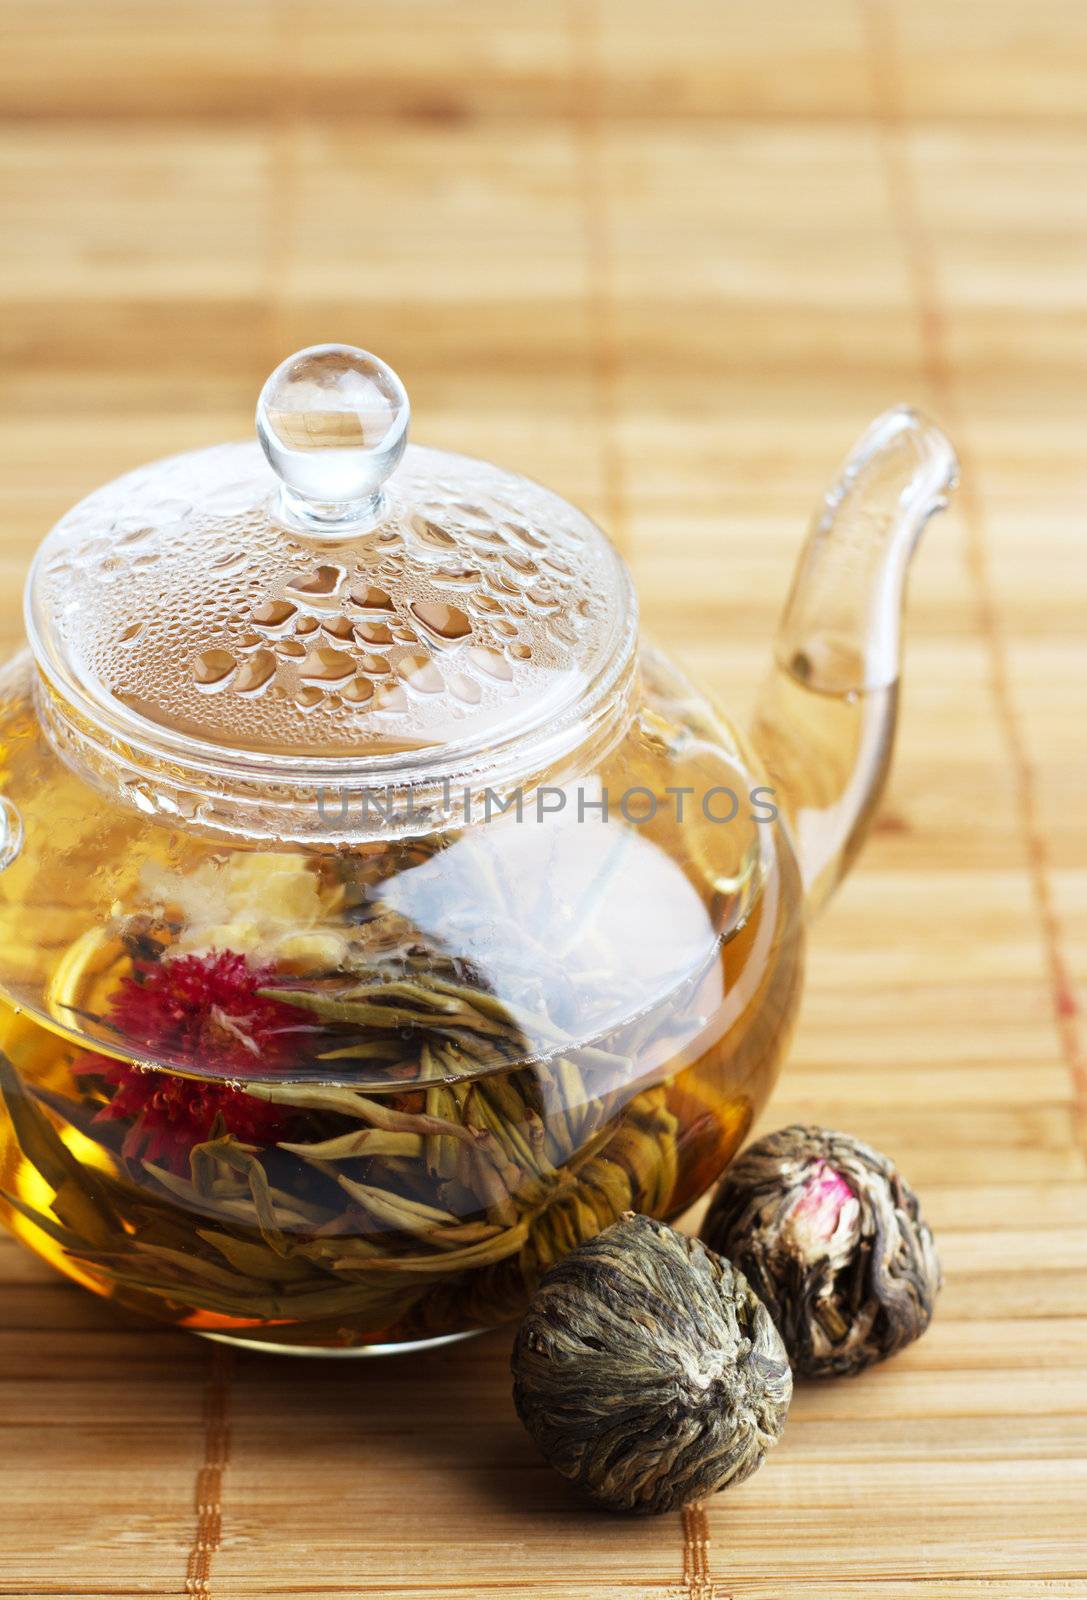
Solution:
(333, 423)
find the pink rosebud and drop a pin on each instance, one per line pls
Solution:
(826, 1211)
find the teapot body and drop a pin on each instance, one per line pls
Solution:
(380, 918)
(362, 1090)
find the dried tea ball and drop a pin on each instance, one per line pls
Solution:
(647, 1371)
(832, 1241)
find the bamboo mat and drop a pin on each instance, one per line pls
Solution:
(669, 259)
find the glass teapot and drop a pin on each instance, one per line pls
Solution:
(380, 917)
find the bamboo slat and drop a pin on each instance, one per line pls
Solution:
(668, 260)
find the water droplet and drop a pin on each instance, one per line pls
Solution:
(320, 584)
(519, 651)
(273, 613)
(255, 672)
(373, 632)
(490, 662)
(377, 665)
(430, 534)
(443, 621)
(463, 577)
(505, 627)
(390, 697)
(135, 535)
(369, 598)
(339, 627)
(486, 603)
(248, 641)
(465, 688)
(229, 561)
(528, 536)
(358, 692)
(133, 631)
(290, 648)
(419, 672)
(212, 669)
(308, 697)
(521, 563)
(327, 665)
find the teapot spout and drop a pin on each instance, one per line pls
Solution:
(825, 723)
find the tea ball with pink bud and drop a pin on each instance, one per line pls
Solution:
(831, 1238)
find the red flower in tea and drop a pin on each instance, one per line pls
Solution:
(208, 1011)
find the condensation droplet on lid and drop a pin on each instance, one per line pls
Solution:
(228, 561)
(135, 535)
(306, 625)
(377, 665)
(521, 563)
(327, 665)
(358, 692)
(490, 662)
(133, 631)
(373, 632)
(430, 534)
(212, 669)
(254, 673)
(419, 672)
(444, 622)
(249, 641)
(527, 536)
(390, 697)
(519, 651)
(272, 613)
(320, 584)
(289, 648)
(461, 577)
(368, 597)
(487, 603)
(339, 627)
(308, 697)
(505, 627)
(465, 688)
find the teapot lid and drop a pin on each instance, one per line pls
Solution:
(332, 600)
